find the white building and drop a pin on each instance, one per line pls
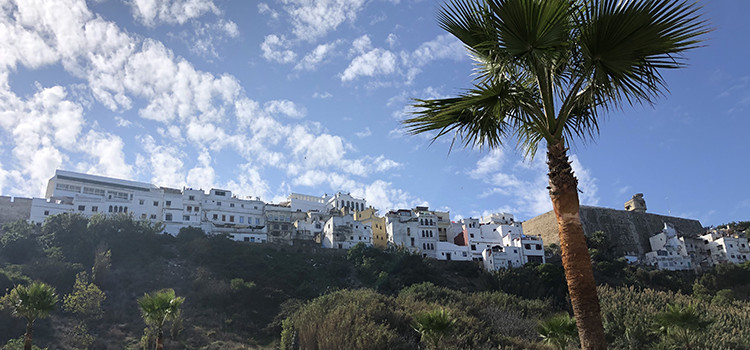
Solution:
(216, 212)
(415, 229)
(721, 246)
(343, 232)
(668, 251)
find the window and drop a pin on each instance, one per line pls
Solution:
(66, 187)
(156, 203)
(218, 203)
(538, 247)
(257, 221)
(196, 209)
(186, 217)
(231, 205)
(473, 247)
(46, 212)
(216, 217)
(119, 195)
(231, 218)
(81, 207)
(110, 208)
(153, 216)
(94, 209)
(94, 191)
(247, 239)
(220, 193)
(141, 202)
(223, 218)
(242, 219)
(472, 235)
(168, 217)
(284, 227)
(168, 203)
(527, 246)
(191, 198)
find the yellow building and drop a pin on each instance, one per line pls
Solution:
(369, 215)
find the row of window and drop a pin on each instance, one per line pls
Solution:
(428, 246)
(426, 233)
(231, 218)
(426, 222)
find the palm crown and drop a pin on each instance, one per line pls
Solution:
(546, 69)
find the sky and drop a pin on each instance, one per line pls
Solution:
(267, 98)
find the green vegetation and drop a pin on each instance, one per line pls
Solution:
(156, 309)
(245, 296)
(31, 302)
(433, 326)
(558, 330)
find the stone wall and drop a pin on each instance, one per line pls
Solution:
(13, 209)
(630, 230)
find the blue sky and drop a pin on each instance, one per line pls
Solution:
(268, 98)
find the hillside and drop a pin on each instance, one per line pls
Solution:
(245, 296)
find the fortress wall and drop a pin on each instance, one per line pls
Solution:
(630, 230)
(13, 209)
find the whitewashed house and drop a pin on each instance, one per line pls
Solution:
(668, 251)
(343, 232)
(722, 246)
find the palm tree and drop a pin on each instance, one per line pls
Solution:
(433, 326)
(680, 324)
(558, 330)
(31, 302)
(159, 307)
(546, 71)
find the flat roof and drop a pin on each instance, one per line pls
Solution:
(103, 181)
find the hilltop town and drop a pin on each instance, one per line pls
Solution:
(340, 221)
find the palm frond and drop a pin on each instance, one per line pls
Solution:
(487, 115)
(625, 44)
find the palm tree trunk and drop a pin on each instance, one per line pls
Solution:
(27, 336)
(563, 191)
(160, 339)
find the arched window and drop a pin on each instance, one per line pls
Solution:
(408, 230)
(110, 208)
(126, 209)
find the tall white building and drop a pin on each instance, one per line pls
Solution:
(343, 232)
(668, 251)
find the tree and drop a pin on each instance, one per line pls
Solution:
(546, 71)
(157, 308)
(86, 298)
(31, 302)
(680, 324)
(558, 330)
(433, 326)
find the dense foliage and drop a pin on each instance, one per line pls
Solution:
(242, 296)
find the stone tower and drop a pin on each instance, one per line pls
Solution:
(637, 203)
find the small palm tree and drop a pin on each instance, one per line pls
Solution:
(157, 308)
(546, 72)
(433, 326)
(31, 302)
(558, 330)
(680, 324)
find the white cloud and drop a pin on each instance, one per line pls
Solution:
(107, 150)
(285, 107)
(361, 45)
(311, 61)
(122, 122)
(312, 19)
(276, 49)
(324, 94)
(374, 62)
(392, 40)
(363, 133)
(263, 8)
(202, 175)
(152, 12)
(164, 163)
